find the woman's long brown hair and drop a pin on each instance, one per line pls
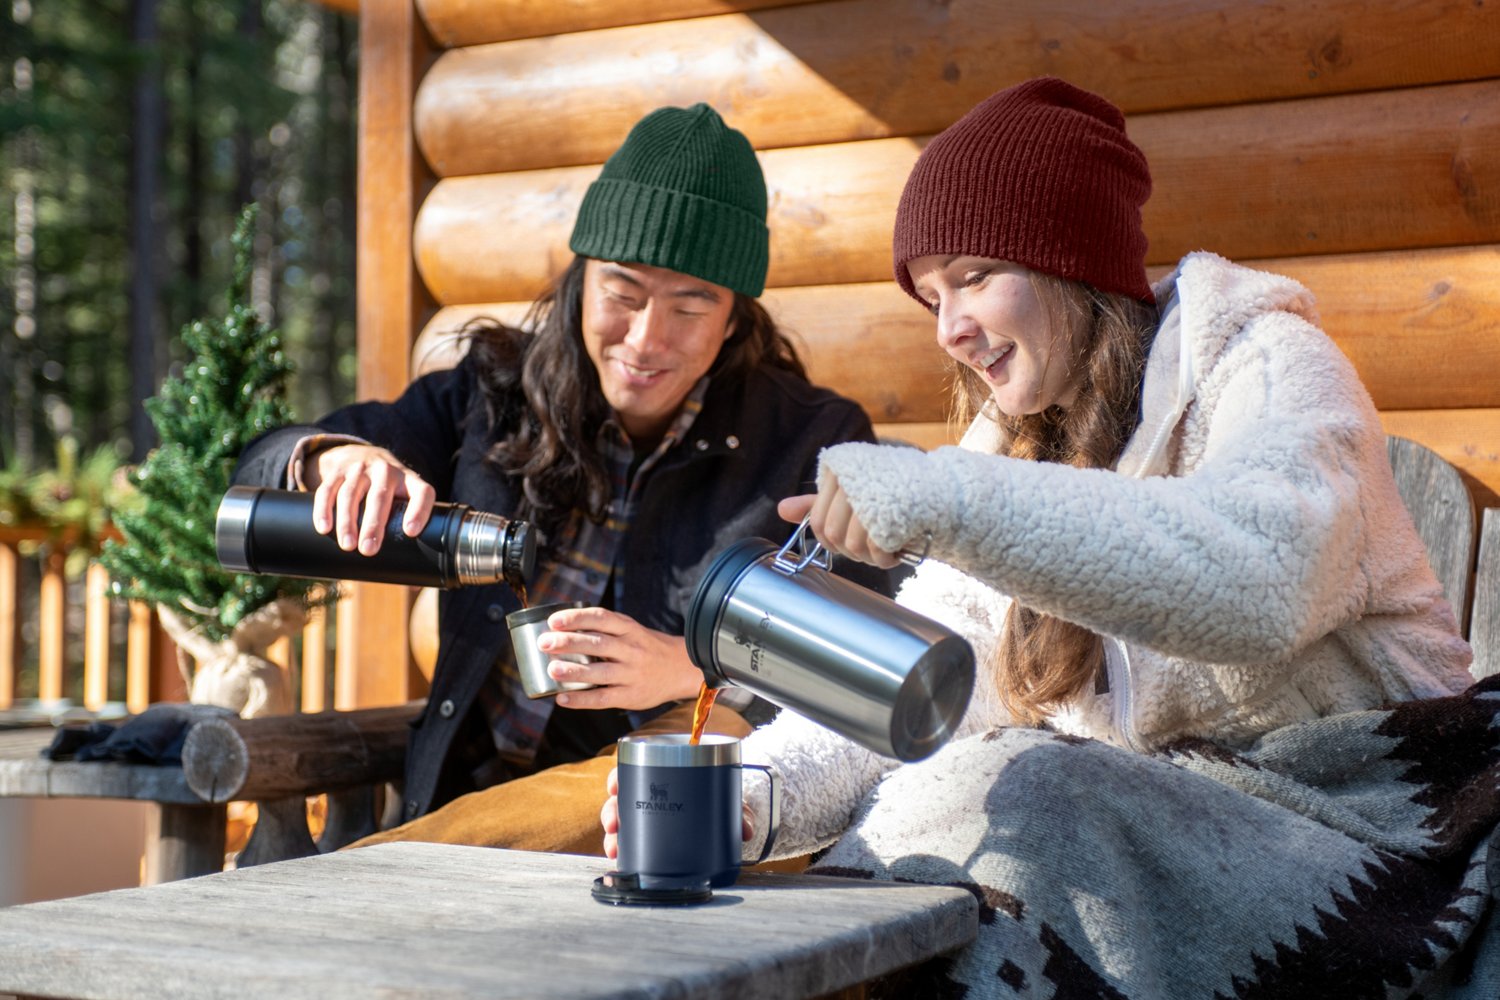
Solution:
(549, 428)
(1042, 662)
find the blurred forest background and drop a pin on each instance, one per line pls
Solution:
(134, 131)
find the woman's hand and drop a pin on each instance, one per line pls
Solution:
(634, 667)
(609, 817)
(347, 475)
(835, 524)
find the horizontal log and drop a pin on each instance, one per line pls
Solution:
(277, 756)
(927, 435)
(1397, 170)
(473, 22)
(1422, 328)
(820, 73)
(1392, 170)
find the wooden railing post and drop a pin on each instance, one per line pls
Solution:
(52, 612)
(140, 650)
(315, 660)
(10, 596)
(96, 637)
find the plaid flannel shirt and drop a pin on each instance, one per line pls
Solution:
(586, 562)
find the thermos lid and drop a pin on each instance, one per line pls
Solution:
(520, 549)
(717, 583)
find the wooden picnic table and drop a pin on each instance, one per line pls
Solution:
(442, 921)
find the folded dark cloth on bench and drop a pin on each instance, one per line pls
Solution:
(153, 737)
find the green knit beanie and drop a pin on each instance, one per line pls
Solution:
(684, 192)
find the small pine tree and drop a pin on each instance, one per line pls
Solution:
(232, 388)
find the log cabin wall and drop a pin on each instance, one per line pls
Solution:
(1351, 144)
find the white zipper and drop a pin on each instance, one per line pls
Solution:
(1122, 687)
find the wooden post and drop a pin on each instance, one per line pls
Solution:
(280, 653)
(96, 637)
(167, 681)
(393, 304)
(315, 660)
(10, 595)
(52, 613)
(140, 649)
(184, 842)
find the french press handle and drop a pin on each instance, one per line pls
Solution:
(819, 556)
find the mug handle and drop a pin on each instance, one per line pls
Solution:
(775, 810)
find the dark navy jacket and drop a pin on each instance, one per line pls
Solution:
(754, 443)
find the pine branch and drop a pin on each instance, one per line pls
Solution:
(231, 390)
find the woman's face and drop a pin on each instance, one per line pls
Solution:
(990, 319)
(652, 334)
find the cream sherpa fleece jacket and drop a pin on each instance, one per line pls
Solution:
(1249, 561)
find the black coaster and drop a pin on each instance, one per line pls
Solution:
(624, 889)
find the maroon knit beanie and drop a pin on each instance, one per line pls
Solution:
(1041, 174)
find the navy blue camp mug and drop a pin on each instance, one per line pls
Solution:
(680, 810)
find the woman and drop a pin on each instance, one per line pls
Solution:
(1172, 537)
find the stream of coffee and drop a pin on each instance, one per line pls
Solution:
(705, 704)
(519, 586)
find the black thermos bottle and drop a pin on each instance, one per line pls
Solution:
(271, 531)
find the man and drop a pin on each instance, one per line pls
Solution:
(651, 416)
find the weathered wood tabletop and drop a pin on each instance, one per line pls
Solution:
(439, 921)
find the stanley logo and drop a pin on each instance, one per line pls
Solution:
(658, 801)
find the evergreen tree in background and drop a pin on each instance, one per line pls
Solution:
(232, 388)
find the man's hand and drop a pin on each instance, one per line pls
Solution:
(634, 667)
(347, 475)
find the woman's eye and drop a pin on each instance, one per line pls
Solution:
(976, 277)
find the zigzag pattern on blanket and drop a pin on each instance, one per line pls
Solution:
(1274, 879)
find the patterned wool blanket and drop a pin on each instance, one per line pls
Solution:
(1353, 856)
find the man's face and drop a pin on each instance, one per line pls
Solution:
(651, 334)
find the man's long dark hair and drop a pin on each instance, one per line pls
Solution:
(552, 424)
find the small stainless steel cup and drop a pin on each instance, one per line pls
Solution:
(526, 627)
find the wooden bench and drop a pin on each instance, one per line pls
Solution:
(275, 762)
(1462, 540)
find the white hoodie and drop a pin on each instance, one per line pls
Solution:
(1249, 561)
